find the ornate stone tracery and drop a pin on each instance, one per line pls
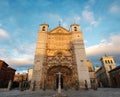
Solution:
(59, 58)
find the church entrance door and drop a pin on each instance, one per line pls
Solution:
(57, 82)
(52, 78)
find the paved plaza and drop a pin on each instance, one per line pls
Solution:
(101, 92)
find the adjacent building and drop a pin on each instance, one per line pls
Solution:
(6, 74)
(20, 77)
(60, 50)
(90, 67)
(91, 73)
(115, 77)
(96, 68)
(102, 74)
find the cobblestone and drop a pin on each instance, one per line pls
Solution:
(101, 92)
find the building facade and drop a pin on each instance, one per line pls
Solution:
(115, 77)
(102, 74)
(60, 50)
(6, 74)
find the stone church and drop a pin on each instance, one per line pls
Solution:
(60, 50)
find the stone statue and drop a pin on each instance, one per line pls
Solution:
(86, 85)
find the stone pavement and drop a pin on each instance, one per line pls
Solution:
(101, 92)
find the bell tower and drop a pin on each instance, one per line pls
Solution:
(39, 55)
(76, 32)
(80, 56)
(44, 27)
(75, 27)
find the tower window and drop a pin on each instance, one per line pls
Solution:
(43, 29)
(110, 67)
(111, 61)
(75, 28)
(106, 61)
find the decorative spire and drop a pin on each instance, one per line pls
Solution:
(59, 23)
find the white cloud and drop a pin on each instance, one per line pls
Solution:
(19, 61)
(106, 46)
(70, 19)
(64, 24)
(55, 18)
(23, 55)
(89, 17)
(76, 18)
(87, 29)
(114, 8)
(3, 53)
(3, 34)
(87, 7)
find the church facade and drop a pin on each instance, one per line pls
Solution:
(60, 50)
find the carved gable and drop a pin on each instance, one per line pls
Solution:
(59, 30)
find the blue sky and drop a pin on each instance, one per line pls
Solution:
(20, 19)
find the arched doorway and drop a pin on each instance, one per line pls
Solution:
(52, 78)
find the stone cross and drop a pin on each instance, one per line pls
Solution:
(59, 23)
(59, 83)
